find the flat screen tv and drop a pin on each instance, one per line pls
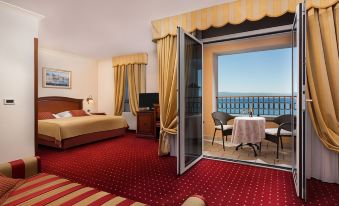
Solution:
(148, 99)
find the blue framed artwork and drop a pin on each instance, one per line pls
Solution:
(56, 78)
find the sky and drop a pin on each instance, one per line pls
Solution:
(256, 72)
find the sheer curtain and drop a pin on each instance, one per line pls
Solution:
(322, 163)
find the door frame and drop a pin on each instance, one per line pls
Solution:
(302, 101)
(181, 168)
(281, 34)
(299, 174)
(36, 88)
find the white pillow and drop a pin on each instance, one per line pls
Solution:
(64, 114)
(56, 116)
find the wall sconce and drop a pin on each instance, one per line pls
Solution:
(90, 100)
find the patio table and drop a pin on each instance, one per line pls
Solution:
(249, 131)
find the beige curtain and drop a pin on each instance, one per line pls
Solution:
(232, 12)
(167, 63)
(136, 75)
(138, 58)
(135, 67)
(323, 73)
(119, 89)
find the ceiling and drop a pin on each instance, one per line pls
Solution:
(103, 28)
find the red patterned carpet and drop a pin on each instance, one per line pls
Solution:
(129, 166)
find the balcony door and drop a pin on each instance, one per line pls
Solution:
(190, 120)
(299, 100)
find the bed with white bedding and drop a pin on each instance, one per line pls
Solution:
(63, 124)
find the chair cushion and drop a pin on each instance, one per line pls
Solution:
(274, 131)
(225, 127)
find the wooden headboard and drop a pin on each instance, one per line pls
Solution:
(56, 104)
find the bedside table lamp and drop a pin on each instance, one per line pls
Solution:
(90, 102)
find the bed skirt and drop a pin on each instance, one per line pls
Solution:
(79, 140)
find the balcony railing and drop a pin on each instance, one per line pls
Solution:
(262, 105)
(193, 105)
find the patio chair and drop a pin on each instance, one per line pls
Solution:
(275, 134)
(220, 121)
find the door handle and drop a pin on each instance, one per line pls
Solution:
(309, 100)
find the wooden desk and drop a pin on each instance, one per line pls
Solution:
(157, 116)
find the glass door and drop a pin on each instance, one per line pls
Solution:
(190, 121)
(299, 100)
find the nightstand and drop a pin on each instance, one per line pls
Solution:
(98, 113)
(148, 122)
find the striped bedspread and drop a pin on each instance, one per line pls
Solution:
(46, 189)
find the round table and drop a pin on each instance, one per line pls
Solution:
(248, 130)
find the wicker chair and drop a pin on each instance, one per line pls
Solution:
(275, 134)
(220, 121)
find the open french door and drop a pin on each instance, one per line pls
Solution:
(299, 100)
(190, 119)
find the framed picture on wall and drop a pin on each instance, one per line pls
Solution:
(56, 78)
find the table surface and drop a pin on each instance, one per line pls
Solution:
(266, 116)
(249, 118)
(248, 130)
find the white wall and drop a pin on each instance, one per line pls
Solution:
(84, 75)
(105, 87)
(18, 30)
(152, 84)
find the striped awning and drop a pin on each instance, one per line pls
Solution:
(234, 12)
(140, 58)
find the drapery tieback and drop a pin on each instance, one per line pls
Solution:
(169, 131)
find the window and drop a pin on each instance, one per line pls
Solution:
(126, 97)
(258, 80)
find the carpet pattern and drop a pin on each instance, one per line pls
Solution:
(128, 166)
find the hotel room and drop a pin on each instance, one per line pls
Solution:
(220, 102)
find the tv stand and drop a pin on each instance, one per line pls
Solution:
(148, 122)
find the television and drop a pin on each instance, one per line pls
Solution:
(148, 99)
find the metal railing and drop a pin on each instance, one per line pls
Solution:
(193, 105)
(261, 105)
